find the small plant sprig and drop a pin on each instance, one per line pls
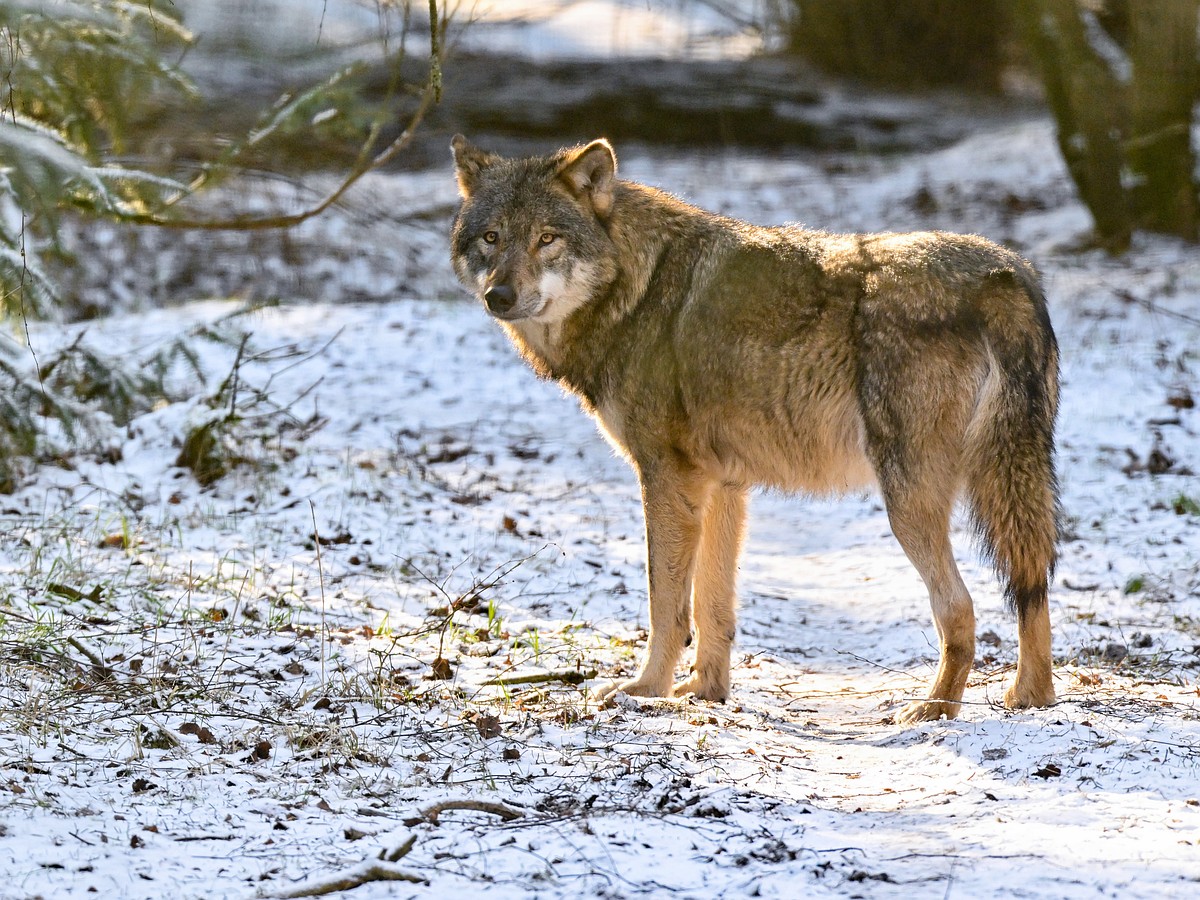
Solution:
(211, 445)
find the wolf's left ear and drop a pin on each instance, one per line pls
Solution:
(469, 161)
(592, 172)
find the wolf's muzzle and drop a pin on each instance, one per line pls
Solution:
(500, 299)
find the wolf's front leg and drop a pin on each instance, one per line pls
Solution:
(714, 599)
(673, 499)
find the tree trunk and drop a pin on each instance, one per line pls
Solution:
(1087, 101)
(1162, 49)
(912, 43)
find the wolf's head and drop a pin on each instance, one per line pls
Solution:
(531, 236)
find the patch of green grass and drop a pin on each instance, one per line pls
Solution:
(1185, 506)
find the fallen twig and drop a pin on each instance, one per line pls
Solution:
(93, 658)
(431, 814)
(571, 676)
(366, 872)
(400, 852)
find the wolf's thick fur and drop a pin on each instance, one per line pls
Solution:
(718, 355)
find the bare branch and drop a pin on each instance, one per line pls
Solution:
(366, 163)
(431, 814)
(367, 872)
(571, 676)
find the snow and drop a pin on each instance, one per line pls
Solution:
(602, 29)
(280, 32)
(264, 719)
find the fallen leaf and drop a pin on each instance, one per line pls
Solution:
(342, 537)
(1182, 400)
(488, 726)
(202, 734)
(71, 593)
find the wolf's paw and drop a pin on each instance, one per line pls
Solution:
(1024, 696)
(926, 711)
(711, 689)
(635, 687)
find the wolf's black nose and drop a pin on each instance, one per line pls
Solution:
(500, 299)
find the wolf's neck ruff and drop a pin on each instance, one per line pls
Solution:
(718, 355)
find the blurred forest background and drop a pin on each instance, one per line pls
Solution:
(156, 151)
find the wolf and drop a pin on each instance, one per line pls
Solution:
(718, 356)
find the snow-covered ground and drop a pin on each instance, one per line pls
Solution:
(263, 686)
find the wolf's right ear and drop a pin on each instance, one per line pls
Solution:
(592, 172)
(469, 161)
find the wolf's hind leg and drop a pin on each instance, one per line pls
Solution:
(1034, 685)
(714, 599)
(923, 529)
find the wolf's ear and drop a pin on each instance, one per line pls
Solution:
(592, 172)
(469, 161)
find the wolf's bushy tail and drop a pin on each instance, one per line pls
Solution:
(1010, 480)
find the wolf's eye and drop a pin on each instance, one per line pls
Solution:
(547, 238)
(490, 237)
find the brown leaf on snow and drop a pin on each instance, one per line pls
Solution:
(1181, 399)
(342, 537)
(441, 670)
(1158, 463)
(72, 593)
(202, 734)
(488, 726)
(448, 453)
